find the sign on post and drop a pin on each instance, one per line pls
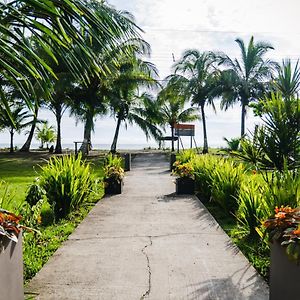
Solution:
(184, 130)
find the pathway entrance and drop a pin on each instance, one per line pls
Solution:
(148, 244)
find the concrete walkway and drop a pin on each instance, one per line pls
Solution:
(148, 244)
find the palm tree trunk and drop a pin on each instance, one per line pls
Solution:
(243, 119)
(172, 135)
(205, 143)
(26, 146)
(58, 148)
(86, 138)
(113, 147)
(11, 150)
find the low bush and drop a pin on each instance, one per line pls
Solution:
(203, 167)
(67, 182)
(226, 183)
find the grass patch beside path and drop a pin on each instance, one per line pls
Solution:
(19, 170)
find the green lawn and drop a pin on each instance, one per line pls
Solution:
(19, 170)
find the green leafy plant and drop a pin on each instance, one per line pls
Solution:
(232, 144)
(113, 168)
(185, 156)
(67, 183)
(226, 182)
(34, 193)
(283, 189)
(203, 166)
(252, 207)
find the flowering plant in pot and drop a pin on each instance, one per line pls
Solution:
(284, 228)
(113, 175)
(11, 261)
(284, 234)
(10, 225)
(185, 181)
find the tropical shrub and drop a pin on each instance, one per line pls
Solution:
(226, 183)
(232, 144)
(67, 183)
(279, 136)
(185, 156)
(252, 207)
(203, 166)
(34, 193)
(283, 189)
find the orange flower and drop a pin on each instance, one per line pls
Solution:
(254, 172)
(296, 232)
(280, 215)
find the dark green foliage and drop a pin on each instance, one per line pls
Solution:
(34, 194)
(67, 183)
(278, 139)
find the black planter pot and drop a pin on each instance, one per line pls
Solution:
(185, 185)
(113, 187)
(127, 161)
(284, 274)
(172, 160)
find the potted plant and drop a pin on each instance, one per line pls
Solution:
(113, 175)
(284, 234)
(185, 181)
(11, 260)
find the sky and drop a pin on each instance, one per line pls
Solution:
(172, 26)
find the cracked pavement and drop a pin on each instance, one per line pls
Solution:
(148, 243)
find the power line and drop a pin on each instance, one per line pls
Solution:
(215, 31)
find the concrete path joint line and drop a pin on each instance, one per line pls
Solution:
(147, 293)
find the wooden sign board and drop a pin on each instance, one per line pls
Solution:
(184, 129)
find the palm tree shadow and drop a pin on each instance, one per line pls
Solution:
(226, 289)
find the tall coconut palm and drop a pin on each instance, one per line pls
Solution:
(287, 80)
(133, 74)
(244, 79)
(88, 102)
(196, 73)
(171, 109)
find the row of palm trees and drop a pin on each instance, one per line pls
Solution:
(201, 77)
(90, 58)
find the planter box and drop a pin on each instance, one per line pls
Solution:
(113, 187)
(185, 185)
(172, 160)
(284, 275)
(11, 266)
(127, 161)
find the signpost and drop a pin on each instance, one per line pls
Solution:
(184, 130)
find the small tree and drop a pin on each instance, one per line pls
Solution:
(46, 134)
(13, 118)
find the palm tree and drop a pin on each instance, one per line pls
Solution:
(196, 73)
(86, 103)
(171, 108)
(14, 120)
(46, 134)
(244, 79)
(57, 26)
(287, 80)
(125, 102)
